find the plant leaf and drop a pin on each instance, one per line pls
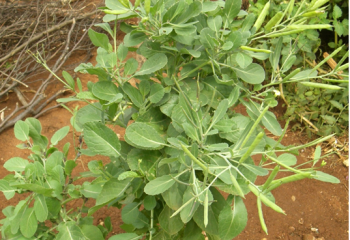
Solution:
(144, 136)
(59, 135)
(170, 224)
(105, 90)
(28, 223)
(101, 139)
(157, 93)
(21, 130)
(253, 74)
(325, 177)
(287, 159)
(159, 185)
(69, 231)
(153, 64)
(232, 221)
(40, 208)
(111, 190)
(99, 39)
(16, 164)
(130, 212)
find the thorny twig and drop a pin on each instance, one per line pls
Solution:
(46, 28)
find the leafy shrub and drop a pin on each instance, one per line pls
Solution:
(183, 148)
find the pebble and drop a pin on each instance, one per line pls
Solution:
(308, 237)
(301, 221)
(291, 229)
(322, 238)
(346, 163)
(293, 198)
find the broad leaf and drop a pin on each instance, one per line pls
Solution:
(157, 93)
(287, 159)
(207, 37)
(101, 139)
(111, 190)
(170, 224)
(149, 202)
(59, 135)
(69, 231)
(134, 94)
(144, 136)
(40, 208)
(253, 74)
(8, 191)
(28, 223)
(153, 64)
(324, 177)
(130, 212)
(99, 39)
(105, 90)
(232, 220)
(21, 130)
(232, 8)
(159, 185)
(91, 232)
(16, 164)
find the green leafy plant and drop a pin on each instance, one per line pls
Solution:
(46, 179)
(323, 108)
(183, 147)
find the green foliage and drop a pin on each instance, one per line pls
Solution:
(182, 146)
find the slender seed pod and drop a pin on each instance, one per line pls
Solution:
(321, 85)
(265, 200)
(311, 26)
(290, 7)
(237, 187)
(206, 208)
(271, 177)
(205, 169)
(255, 49)
(261, 216)
(312, 13)
(147, 6)
(292, 74)
(312, 3)
(252, 147)
(262, 16)
(318, 4)
(274, 21)
(276, 183)
(284, 33)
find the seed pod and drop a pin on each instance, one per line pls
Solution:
(262, 16)
(312, 13)
(311, 26)
(255, 49)
(271, 177)
(276, 183)
(292, 74)
(274, 21)
(252, 147)
(321, 85)
(205, 169)
(265, 200)
(147, 6)
(261, 216)
(290, 7)
(318, 4)
(206, 208)
(237, 187)
(284, 33)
